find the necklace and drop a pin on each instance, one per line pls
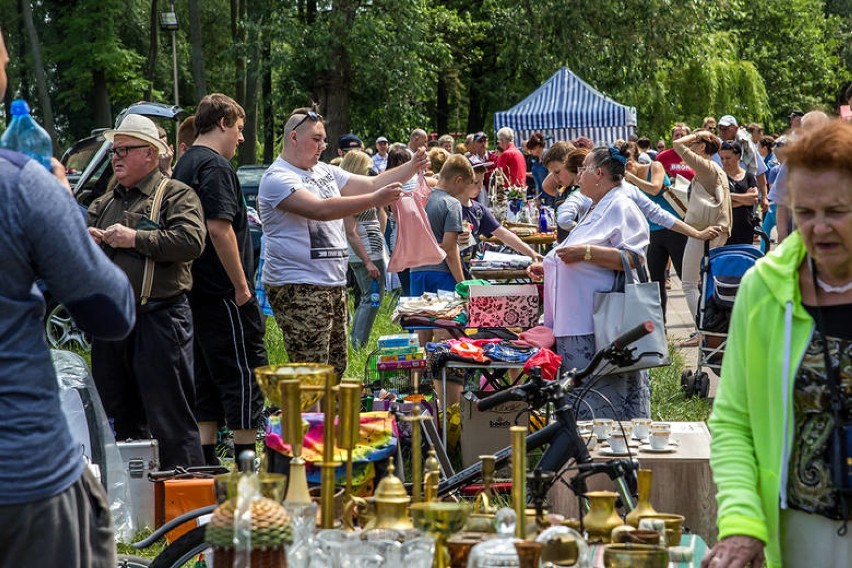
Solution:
(829, 289)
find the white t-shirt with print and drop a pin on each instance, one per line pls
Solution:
(300, 250)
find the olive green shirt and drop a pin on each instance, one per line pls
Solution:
(173, 245)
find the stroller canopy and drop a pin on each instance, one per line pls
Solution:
(566, 107)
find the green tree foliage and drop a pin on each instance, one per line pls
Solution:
(384, 67)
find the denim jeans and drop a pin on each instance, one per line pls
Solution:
(768, 225)
(365, 313)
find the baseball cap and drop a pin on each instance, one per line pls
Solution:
(477, 162)
(349, 142)
(480, 136)
(381, 139)
(796, 113)
(727, 120)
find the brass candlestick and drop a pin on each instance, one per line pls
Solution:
(432, 478)
(348, 424)
(416, 419)
(440, 520)
(314, 380)
(291, 429)
(482, 504)
(328, 464)
(519, 478)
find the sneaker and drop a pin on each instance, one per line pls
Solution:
(692, 341)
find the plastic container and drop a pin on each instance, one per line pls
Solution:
(24, 135)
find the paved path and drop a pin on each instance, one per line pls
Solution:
(680, 325)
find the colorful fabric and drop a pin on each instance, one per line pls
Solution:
(505, 351)
(377, 438)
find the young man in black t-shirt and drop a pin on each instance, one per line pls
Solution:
(228, 327)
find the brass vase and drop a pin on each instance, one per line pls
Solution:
(529, 553)
(643, 506)
(440, 520)
(602, 516)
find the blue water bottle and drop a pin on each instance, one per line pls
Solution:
(24, 135)
(375, 296)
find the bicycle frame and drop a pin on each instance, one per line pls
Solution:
(562, 437)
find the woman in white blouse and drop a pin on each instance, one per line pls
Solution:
(585, 263)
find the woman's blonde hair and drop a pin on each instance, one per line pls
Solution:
(356, 162)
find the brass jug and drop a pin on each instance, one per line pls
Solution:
(602, 516)
(643, 506)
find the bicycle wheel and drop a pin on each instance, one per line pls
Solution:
(181, 551)
(129, 561)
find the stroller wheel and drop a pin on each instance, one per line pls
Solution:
(687, 383)
(702, 384)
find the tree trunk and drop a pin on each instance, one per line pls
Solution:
(335, 85)
(238, 40)
(442, 106)
(102, 105)
(269, 149)
(196, 40)
(153, 48)
(41, 78)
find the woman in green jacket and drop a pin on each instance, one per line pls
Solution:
(788, 360)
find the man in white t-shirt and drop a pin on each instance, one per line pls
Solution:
(302, 203)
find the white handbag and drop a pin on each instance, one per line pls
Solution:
(629, 304)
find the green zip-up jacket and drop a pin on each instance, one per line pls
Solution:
(752, 421)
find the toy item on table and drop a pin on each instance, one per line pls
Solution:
(399, 340)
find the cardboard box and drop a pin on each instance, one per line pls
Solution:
(396, 365)
(399, 340)
(393, 358)
(511, 305)
(486, 432)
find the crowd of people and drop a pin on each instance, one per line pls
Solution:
(160, 274)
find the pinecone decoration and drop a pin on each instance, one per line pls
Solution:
(270, 532)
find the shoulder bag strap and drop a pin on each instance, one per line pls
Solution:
(148, 275)
(640, 267)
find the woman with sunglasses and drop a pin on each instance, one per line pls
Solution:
(709, 205)
(743, 186)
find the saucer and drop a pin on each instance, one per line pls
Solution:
(667, 450)
(633, 443)
(609, 452)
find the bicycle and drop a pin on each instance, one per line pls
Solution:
(562, 436)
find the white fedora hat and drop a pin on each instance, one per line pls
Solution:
(138, 126)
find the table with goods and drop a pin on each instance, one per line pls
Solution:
(285, 523)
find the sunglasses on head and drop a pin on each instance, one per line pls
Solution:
(310, 115)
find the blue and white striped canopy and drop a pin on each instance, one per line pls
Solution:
(566, 107)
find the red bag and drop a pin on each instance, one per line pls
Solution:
(548, 361)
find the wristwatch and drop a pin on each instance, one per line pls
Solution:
(588, 255)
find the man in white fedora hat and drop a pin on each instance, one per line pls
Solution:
(152, 227)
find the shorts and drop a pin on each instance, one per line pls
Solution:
(431, 281)
(228, 347)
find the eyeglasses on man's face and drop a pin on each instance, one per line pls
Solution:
(310, 115)
(122, 151)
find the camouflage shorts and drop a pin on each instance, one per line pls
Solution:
(313, 322)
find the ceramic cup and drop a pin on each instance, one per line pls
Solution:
(602, 428)
(659, 440)
(641, 428)
(618, 443)
(591, 441)
(626, 427)
(660, 426)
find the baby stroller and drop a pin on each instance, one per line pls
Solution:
(721, 271)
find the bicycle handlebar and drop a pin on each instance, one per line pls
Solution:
(618, 345)
(499, 397)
